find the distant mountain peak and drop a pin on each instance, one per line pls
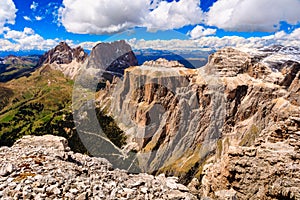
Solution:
(63, 54)
(161, 62)
(64, 58)
(113, 58)
(282, 49)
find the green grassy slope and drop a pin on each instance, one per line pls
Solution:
(41, 104)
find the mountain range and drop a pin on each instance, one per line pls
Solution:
(229, 129)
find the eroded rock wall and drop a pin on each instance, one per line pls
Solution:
(191, 122)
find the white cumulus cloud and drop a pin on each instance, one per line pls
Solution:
(254, 15)
(7, 13)
(200, 31)
(6, 45)
(215, 43)
(25, 40)
(111, 16)
(295, 34)
(101, 16)
(38, 18)
(34, 6)
(27, 18)
(175, 14)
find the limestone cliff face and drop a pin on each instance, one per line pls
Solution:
(65, 59)
(233, 124)
(258, 152)
(170, 115)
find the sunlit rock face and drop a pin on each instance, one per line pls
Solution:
(228, 62)
(169, 113)
(191, 122)
(261, 159)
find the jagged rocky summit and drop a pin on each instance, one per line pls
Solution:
(43, 167)
(233, 124)
(64, 58)
(105, 60)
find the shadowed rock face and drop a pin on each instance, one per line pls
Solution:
(233, 124)
(112, 58)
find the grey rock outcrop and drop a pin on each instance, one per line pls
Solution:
(112, 59)
(43, 167)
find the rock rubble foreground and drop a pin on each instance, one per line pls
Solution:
(43, 167)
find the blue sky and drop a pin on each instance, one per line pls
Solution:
(41, 24)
